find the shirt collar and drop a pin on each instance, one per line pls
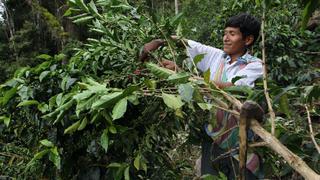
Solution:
(240, 60)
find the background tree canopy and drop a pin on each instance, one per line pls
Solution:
(75, 103)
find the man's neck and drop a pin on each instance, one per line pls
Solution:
(234, 57)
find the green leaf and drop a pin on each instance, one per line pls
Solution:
(119, 109)
(67, 13)
(114, 165)
(107, 100)
(206, 76)
(104, 139)
(83, 19)
(43, 75)
(134, 99)
(176, 19)
(284, 105)
(60, 110)
(144, 166)
(179, 77)
(86, 104)
(93, 9)
(82, 5)
(37, 156)
(205, 106)
(41, 67)
(7, 96)
(136, 162)
(159, 71)
(44, 57)
(46, 143)
(55, 157)
(126, 173)
(83, 124)
(186, 92)
(25, 93)
(59, 99)
(79, 16)
(235, 79)
(67, 82)
(28, 103)
(21, 72)
(83, 95)
(172, 101)
(6, 120)
(71, 129)
(151, 84)
(43, 107)
(198, 58)
(113, 129)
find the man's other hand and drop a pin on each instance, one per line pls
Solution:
(169, 65)
(149, 47)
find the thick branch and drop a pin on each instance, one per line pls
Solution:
(293, 160)
(273, 143)
(243, 144)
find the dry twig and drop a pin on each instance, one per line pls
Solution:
(311, 130)
(265, 85)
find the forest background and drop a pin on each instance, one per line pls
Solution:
(75, 102)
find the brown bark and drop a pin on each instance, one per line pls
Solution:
(273, 143)
(249, 110)
(292, 159)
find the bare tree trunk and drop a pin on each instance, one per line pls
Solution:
(10, 26)
(176, 5)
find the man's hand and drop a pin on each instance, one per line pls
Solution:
(149, 47)
(223, 85)
(169, 65)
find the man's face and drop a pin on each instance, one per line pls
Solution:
(233, 42)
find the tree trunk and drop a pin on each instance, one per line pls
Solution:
(176, 5)
(10, 27)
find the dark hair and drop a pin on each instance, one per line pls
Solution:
(248, 25)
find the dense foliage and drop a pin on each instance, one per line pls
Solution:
(97, 112)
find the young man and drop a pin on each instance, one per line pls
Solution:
(240, 32)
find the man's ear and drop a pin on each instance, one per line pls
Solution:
(249, 40)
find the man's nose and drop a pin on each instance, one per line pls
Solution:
(225, 38)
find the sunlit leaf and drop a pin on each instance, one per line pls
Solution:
(198, 58)
(172, 101)
(205, 106)
(83, 19)
(186, 92)
(43, 75)
(55, 157)
(206, 76)
(71, 129)
(7, 96)
(179, 77)
(136, 162)
(83, 124)
(44, 56)
(46, 143)
(6, 120)
(126, 173)
(107, 100)
(28, 103)
(159, 71)
(114, 165)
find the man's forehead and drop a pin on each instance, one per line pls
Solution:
(232, 29)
